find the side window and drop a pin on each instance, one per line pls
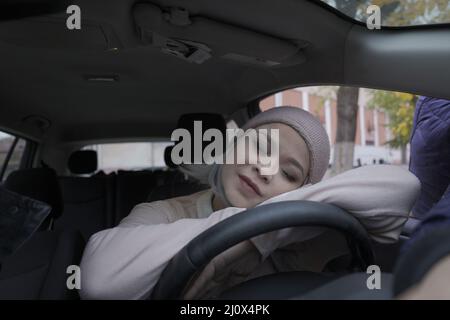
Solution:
(381, 121)
(130, 155)
(11, 152)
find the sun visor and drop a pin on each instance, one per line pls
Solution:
(196, 38)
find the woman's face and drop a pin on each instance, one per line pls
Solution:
(244, 184)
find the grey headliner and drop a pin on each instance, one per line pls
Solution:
(154, 89)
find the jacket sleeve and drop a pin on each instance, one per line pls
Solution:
(430, 151)
(126, 262)
(379, 196)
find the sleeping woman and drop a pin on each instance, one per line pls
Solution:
(126, 262)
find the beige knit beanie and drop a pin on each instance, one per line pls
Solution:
(308, 127)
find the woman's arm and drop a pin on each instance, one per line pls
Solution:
(126, 262)
(379, 196)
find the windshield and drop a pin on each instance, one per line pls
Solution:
(397, 13)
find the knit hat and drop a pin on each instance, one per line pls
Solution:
(306, 125)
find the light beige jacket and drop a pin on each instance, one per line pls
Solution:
(126, 262)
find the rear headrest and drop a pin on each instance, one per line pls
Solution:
(83, 162)
(186, 121)
(39, 184)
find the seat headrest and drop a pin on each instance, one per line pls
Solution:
(187, 121)
(40, 184)
(83, 162)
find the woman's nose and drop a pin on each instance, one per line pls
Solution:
(264, 178)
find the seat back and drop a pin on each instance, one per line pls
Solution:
(132, 188)
(38, 269)
(88, 204)
(175, 184)
(39, 184)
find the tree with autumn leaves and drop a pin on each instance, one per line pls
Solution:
(399, 108)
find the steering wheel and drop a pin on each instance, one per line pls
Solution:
(253, 222)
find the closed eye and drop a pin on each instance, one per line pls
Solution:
(289, 176)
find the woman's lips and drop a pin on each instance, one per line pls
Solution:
(250, 184)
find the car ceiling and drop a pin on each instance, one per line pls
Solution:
(44, 67)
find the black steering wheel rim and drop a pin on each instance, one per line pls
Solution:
(253, 222)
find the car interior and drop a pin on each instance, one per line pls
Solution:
(133, 72)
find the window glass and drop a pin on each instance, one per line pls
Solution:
(396, 13)
(130, 155)
(6, 144)
(382, 120)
